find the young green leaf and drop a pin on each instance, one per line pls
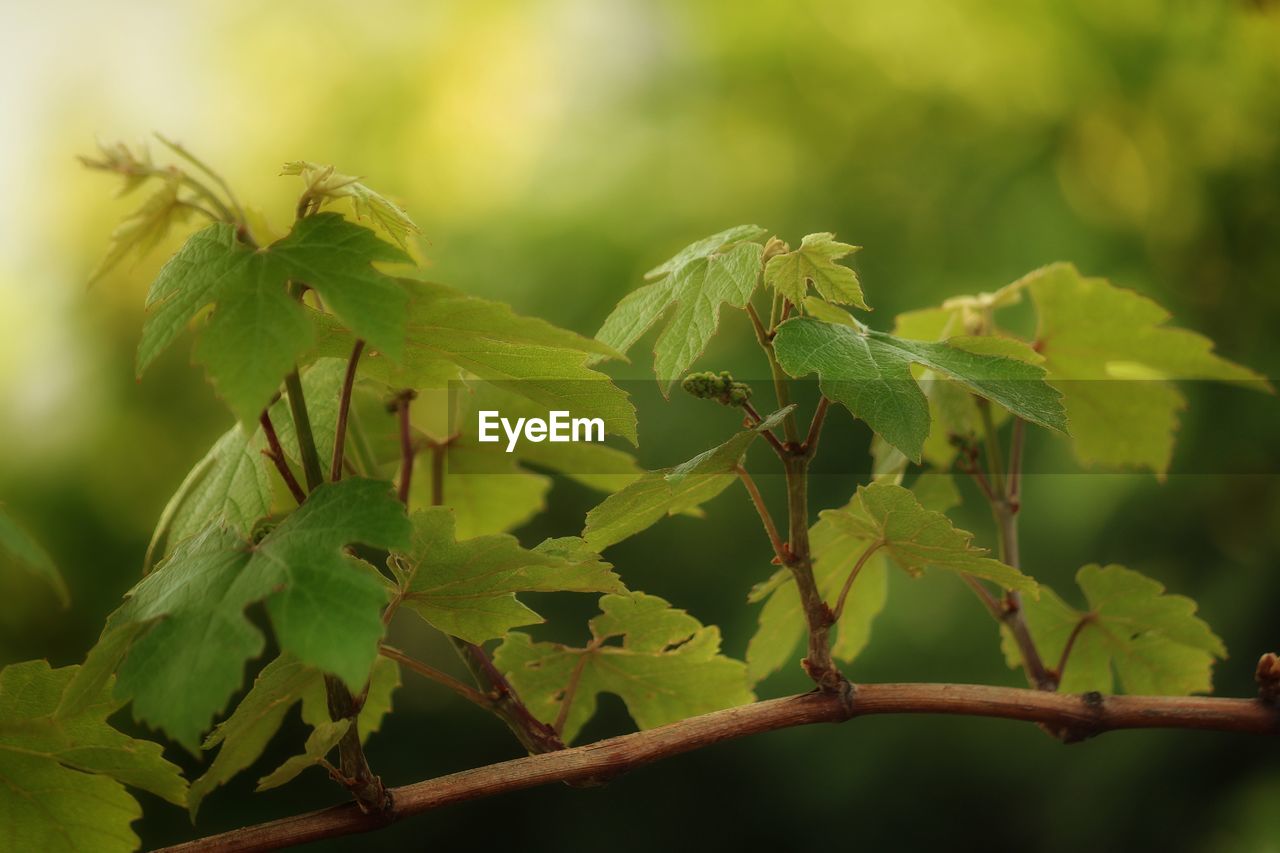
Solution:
(319, 744)
(450, 332)
(1152, 642)
(186, 635)
(231, 484)
(140, 231)
(468, 589)
(882, 521)
(65, 773)
(814, 263)
(870, 373)
(671, 491)
(325, 185)
(19, 550)
(1109, 350)
(668, 667)
(283, 683)
(256, 331)
(719, 270)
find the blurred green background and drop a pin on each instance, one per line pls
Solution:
(552, 152)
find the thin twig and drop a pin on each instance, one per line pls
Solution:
(276, 455)
(810, 446)
(430, 672)
(780, 387)
(1071, 642)
(407, 448)
(571, 689)
(344, 407)
(1016, 445)
(853, 576)
(766, 518)
(1072, 717)
(777, 445)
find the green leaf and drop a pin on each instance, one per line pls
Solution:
(144, 228)
(870, 373)
(335, 257)
(1152, 642)
(63, 774)
(671, 491)
(1108, 349)
(668, 667)
(882, 521)
(186, 635)
(319, 744)
(325, 184)
(814, 263)
(256, 331)
(282, 684)
(719, 270)
(450, 332)
(230, 484)
(486, 494)
(20, 551)
(468, 589)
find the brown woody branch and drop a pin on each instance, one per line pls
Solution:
(1071, 716)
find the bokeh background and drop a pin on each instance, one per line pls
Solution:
(553, 151)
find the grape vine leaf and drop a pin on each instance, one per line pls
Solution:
(450, 332)
(19, 550)
(671, 491)
(144, 228)
(1133, 632)
(231, 484)
(883, 523)
(1110, 351)
(668, 667)
(256, 332)
(63, 774)
(691, 287)
(814, 262)
(281, 685)
(326, 184)
(183, 634)
(468, 589)
(870, 373)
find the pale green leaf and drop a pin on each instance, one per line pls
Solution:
(450, 332)
(284, 682)
(18, 550)
(690, 289)
(870, 373)
(468, 588)
(671, 491)
(256, 332)
(668, 667)
(325, 184)
(188, 635)
(1109, 349)
(144, 228)
(319, 743)
(882, 522)
(814, 263)
(62, 775)
(1133, 632)
(231, 483)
